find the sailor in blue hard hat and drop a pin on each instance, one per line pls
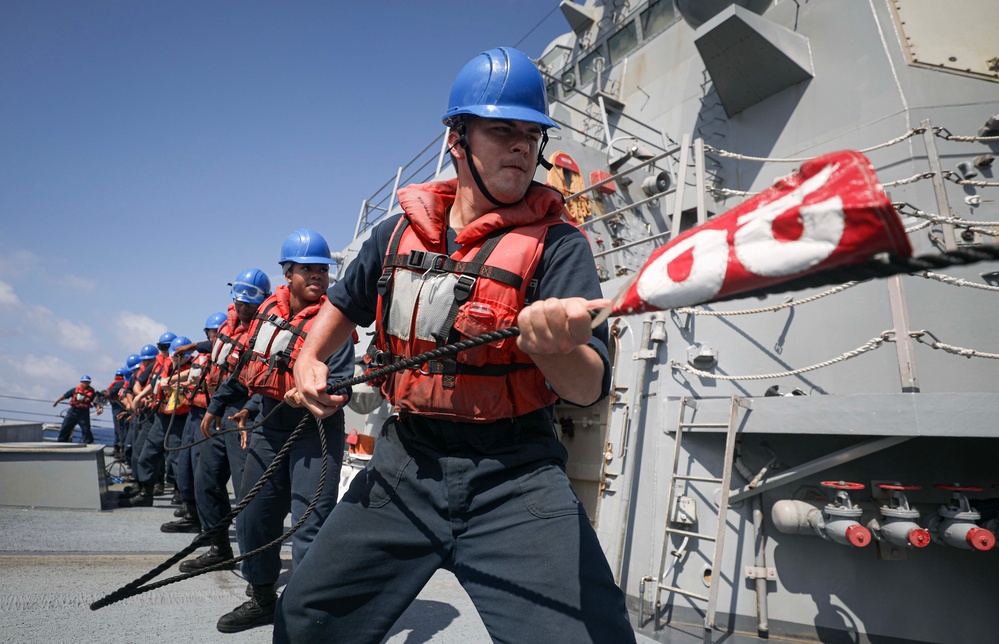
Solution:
(471, 465)
(267, 357)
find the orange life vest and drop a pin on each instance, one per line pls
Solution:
(194, 388)
(170, 397)
(226, 350)
(428, 299)
(82, 397)
(276, 339)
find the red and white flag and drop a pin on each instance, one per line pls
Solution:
(830, 213)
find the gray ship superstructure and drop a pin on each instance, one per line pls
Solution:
(813, 466)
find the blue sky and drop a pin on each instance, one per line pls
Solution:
(149, 151)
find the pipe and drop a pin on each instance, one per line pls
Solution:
(762, 610)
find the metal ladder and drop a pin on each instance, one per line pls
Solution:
(725, 481)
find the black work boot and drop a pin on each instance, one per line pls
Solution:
(188, 523)
(142, 498)
(175, 499)
(219, 552)
(180, 512)
(158, 489)
(259, 610)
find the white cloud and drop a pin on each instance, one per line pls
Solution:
(8, 298)
(48, 369)
(134, 330)
(71, 335)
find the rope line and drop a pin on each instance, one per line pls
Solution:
(955, 281)
(136, 587)
(870, 345)
(935, 343)
(768, 309)
(744, 157)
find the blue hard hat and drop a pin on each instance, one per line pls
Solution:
(166, 338)
(133, 361)
(122, 371)
(149, 352)
(251, 286)
(216, 320)
(501, 83)
(305, 246)
(179, 341)
(84, 378)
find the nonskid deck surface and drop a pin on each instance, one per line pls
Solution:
(55, 563)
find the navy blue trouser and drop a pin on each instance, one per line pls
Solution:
(221, 459)
(152, 460)
(493, 506)
(76, 416)
(291, 488)
(142, 424)
(119, 426)
(187, 459)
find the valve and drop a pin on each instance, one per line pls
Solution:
(841, 516)
(900, 527)
(955, 523)
(836, 521)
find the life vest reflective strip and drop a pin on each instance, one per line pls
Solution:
(274, 345)
(225, 351)
(196, 389)
(428, 299)
(82, 397)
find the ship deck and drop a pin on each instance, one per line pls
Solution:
(56, 562)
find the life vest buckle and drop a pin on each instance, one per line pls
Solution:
(463, 288)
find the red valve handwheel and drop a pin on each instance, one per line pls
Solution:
(842, 485)
(919, 537)
(899, 487)
(957, 487)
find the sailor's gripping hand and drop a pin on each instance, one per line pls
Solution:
(556, 326)
(310, 388)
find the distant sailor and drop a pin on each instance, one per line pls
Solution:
(81, 399)
(112, 394)
(470, 476)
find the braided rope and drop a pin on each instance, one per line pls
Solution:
(952, 176)
(907, 210)
(950, 348)
(914, 178)
(768, 309)
(870, 345)
(136, 587)
(955, 281)
(944, 133)
(744, 157)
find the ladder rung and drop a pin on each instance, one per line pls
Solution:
(701, 479)
(680, 591)
(719, 425)
(688, 533)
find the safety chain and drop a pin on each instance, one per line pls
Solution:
(734, 155)
(919, 336)
(136, 587)
(768, 309)
(953, 177)
(954, 281)
(944, 133)
(873, 343)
